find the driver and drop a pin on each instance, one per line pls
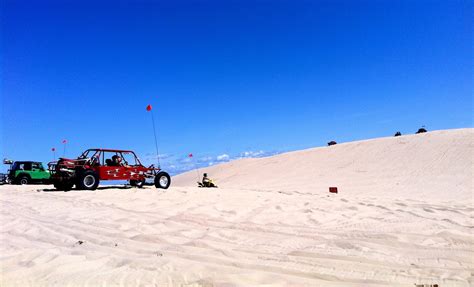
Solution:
(117, 161)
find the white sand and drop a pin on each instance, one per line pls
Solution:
(404, 215)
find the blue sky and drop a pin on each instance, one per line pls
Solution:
(236, 78)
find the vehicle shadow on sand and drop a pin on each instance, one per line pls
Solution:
(98, 188)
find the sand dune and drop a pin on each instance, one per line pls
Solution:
(403, 216)
(437, 164)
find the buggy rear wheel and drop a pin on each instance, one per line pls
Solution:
(162, 180)
(88, 180)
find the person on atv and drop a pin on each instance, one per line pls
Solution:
(207, 182)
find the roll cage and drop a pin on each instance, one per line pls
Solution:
(100, 155)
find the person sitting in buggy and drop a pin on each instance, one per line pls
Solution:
(206, 182)
(116, 161)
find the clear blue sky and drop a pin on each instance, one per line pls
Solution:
(228, 77)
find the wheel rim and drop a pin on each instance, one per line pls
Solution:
(163, 180)
(89, 180)
(23, 181)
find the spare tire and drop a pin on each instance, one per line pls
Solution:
(88, 180)
(162, 180)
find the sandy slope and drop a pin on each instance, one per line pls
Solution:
(437, 165)
(404, 216)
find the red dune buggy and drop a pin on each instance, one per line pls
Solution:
(95, 165)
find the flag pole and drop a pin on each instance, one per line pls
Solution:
(198, 173)
(196, 166)
(149, 108)
(64, 148)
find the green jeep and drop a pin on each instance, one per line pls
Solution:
(25, 172)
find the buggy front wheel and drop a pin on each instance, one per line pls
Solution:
(162, 180)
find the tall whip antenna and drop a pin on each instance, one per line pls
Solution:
(64, 147)
(150, 109)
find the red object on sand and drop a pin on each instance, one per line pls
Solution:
(333, 189)
(148, 108)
